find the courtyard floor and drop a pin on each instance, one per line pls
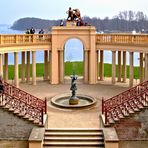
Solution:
(67, 118)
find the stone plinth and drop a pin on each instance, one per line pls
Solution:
(71, 23)
(73, 100)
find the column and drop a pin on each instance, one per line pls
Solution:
(113, 67)
(6, 67)
(86, 66)
(45, 64)
(28, 67)
(23, 67)
(124, 66)
(97, 56)
(16, 72)
(61, 66)
(101, 65)
(146, 66)
(49, 65)
(1, 65)
(92, 59)
(34, 67)
(54, 65)
(141, 68)
(119, 66)
(131, 70)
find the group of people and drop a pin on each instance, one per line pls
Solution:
(32, 31)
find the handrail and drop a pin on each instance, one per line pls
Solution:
(11, 39)
(119, 100)
(122, 38)
(23, 103)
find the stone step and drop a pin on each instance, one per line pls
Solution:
(74, 138)
(93, 146)
(75, 129)
(72, 133)
(69, 143)
(2, 105)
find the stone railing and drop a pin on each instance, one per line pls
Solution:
(122, 39)
(23, 103)
(126, 102)
(12, 39)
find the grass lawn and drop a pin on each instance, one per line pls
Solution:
(71, 67)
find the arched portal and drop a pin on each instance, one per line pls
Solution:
(74, 57)
(60, 35)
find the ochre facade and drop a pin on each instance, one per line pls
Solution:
(94, 44)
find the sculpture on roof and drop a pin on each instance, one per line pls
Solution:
(73, 14)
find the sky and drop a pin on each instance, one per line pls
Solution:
(12, 10)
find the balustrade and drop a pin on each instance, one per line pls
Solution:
(122, 38)
(100, 38)
(23, 103)
(24, 38)
(125, 103)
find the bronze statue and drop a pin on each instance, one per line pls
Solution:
(73, 99)
(73, 14)
(70, 14)
(73, 84)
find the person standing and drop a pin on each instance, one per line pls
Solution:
(32, 31)
(27, 31)
(61, 23)
(41, 32)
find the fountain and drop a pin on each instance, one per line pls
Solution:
(73, 101)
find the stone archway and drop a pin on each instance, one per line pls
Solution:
(74, 58)
(61, 63)
(87, 34)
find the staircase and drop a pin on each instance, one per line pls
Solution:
(125, 104)
(22, 103)
(62, 138)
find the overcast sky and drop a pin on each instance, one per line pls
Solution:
(11, 10)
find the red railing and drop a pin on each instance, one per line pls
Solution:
(123, 103)
(24, 104)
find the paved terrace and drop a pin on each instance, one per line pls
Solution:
(84, 118)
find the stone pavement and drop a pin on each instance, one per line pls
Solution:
(83, 118)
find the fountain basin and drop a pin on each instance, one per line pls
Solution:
(62, 101)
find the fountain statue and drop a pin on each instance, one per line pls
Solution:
(73, 99)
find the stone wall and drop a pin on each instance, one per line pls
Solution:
(133, 144)
(14, 144)
(134, 127)
(13, 127)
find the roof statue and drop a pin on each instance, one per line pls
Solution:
(75, 16)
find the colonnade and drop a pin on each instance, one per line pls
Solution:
(25, 67)
(61, 66)
(118, 70)
(121, 69)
